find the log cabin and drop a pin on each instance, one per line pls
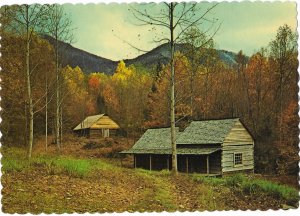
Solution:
(96, 126)
(212, 147)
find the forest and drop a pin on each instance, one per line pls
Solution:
(39, 95)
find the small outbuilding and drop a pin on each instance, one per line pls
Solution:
(97, 126)
(211, 147)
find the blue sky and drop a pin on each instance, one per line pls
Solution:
(102, 28)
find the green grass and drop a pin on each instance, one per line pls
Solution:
(73, 167)
(214, 181)
(251, 186)
(14, 159)
(11, 165)
(162, 193)
(275, 190)
(236, 180)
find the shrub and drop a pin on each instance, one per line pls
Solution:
(234, 180)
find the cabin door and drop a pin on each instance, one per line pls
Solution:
(105, 132)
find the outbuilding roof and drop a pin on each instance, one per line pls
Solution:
(97, 122)
(88, 122)
(206, 132)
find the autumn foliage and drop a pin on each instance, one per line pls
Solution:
(260, 89)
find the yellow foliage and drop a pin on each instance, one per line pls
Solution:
(122, 72)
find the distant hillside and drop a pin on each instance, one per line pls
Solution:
(162, 54)
(89, 62)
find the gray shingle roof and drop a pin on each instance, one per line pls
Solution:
(206, 132)
(155, 139)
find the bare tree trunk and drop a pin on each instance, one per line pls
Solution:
(30, 104)
(57, 99)
(61, 125)
(192, 95)
(46, 116)
(173, 133)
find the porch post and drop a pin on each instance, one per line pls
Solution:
(207, 164)
(187, 164)
(150, 162)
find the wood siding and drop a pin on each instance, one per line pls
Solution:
(97, 133)
(105, 122)
(228, 157)
(238, 140)
(238, 135)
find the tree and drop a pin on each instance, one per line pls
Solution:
(283, 52)
(59, 27)
(26, 20)
(288, 158)
(199, 49)
(177, 18)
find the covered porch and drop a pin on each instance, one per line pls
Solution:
(205, 161)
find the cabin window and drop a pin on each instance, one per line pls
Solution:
(238, 159)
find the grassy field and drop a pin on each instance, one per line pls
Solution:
(51, 183)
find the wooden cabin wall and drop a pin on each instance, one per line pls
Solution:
(83, 132)
(238, 135)
(238, 141)
(228, 157)
(95, 133)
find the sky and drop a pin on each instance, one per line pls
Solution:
(107, 30)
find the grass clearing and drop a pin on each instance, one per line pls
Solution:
(252, 186)
(214, 181)
(73, 167)
(162, 195)
(14, 159)
(106, 185)
(278, 191)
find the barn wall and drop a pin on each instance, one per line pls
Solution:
(228, 157)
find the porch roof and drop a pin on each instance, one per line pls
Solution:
(180, 151)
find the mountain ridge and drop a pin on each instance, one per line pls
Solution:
(90, 62)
